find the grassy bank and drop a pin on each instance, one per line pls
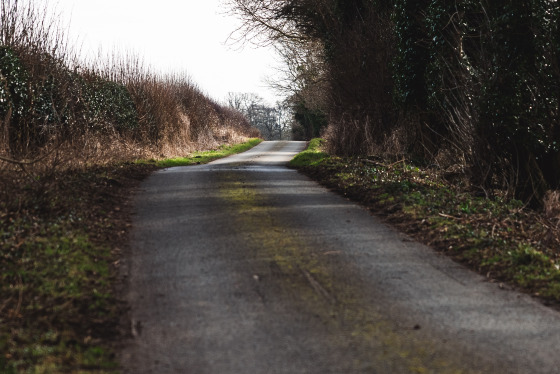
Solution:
(500, 238)
(204, 157)
(311, 156)
(60, 244)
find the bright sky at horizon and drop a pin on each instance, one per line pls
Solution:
(172, 36)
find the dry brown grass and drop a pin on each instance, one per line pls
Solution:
(58, 113)
(76, 125)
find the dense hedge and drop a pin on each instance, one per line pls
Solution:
(475, 82)
(98, 111)
(44, 102)
(490, 70)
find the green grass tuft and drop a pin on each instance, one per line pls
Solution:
(58, 274)
(313, 155)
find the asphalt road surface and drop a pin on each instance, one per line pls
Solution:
(245, 266)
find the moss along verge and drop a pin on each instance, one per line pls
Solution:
(60, 242)
(497, 237)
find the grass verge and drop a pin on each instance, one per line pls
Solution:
(61, 237)
(312, 155)
(499, 238)
(205, 156)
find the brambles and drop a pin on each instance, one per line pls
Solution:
(108, 103)
(13, 81)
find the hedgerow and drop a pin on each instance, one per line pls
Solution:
(62, 111)
(446, 82)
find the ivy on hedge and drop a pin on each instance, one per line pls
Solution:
(109, 104)
(13, 84)
(55, 99)
(501, 59)
(409, 64)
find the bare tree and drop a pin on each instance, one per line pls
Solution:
(263, 22)
(274, 122)
(284, 120)
(303, 77)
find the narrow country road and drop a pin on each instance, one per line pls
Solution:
(245, 266)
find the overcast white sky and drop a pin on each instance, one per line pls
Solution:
(172, 36)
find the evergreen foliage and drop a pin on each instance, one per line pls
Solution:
(109, 103)
(311, 122)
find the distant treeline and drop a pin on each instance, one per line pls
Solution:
(53, 106)
(475, 83)
(273, 122)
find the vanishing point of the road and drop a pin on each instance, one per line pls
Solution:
(245, 266)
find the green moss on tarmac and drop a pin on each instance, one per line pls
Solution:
(319, 286)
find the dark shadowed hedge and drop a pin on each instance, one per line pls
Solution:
(475, 83)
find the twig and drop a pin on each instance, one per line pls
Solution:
(26, 162)
(28, 174)
(20, 296)
(448, 216)
(382, 164)
(373, 162)
(398, 162)
(317, 287)
(5, 304)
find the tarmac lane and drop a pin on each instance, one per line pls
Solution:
(246, 266)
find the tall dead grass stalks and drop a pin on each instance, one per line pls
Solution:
(56, 113)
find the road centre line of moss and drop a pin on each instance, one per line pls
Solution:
(318, 289)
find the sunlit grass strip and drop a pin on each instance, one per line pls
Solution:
(206, 156)
(313, 155)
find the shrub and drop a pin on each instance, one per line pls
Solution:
(113, 109)
(108, 104)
